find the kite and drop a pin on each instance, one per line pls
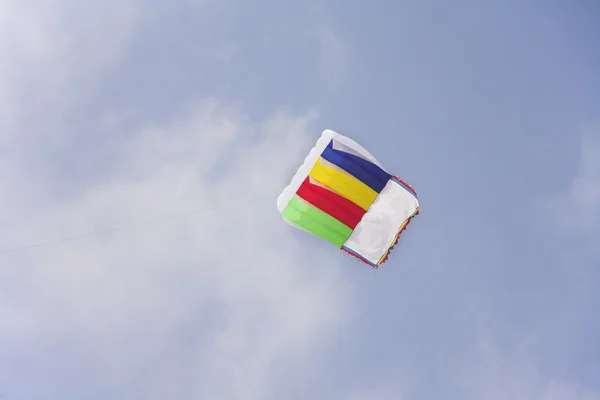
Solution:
(342, 194)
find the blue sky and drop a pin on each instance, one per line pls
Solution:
(124, 111)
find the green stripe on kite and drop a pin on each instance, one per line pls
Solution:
(316, 222)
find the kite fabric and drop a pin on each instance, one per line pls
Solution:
(342, 194)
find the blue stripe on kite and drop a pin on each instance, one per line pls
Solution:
(363, 170)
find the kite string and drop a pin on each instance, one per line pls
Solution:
(104, 231)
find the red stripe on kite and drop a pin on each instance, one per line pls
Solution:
(331, 203)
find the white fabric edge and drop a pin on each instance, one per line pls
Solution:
(346, 141)
(387, 214)
(290, 190)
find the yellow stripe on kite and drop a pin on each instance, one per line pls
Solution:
(344, 184)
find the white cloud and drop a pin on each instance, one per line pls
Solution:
(203, 306)
(128, 296)
(577, 209)
(52, 54)
(569, 390)
(517, 372)
(395, 389)
(334, 57)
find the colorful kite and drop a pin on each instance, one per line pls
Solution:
(342, 194)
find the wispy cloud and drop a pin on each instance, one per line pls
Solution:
(203, 305)
(53, 55)
(577, 209)
(517, 371)
(210, 305)
(334, 57)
